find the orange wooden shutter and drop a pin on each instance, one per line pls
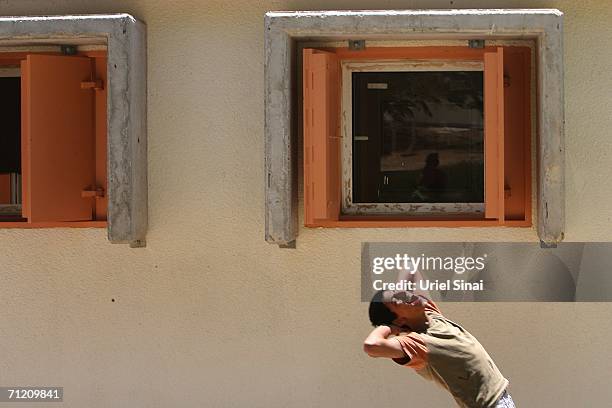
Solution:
(321, 137)
(494, 133)
(517, 133)
(58, 138)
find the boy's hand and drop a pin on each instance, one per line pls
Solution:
(381, 332)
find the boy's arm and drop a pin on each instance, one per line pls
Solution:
(377, 344)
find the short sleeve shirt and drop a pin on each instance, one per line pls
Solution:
(450, 356)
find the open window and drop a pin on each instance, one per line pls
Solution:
(422, 136)
(53, 159)
(74, 141)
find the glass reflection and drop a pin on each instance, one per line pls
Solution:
(418, 137)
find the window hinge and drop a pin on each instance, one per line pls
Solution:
(476, 43)
(89, 192)
(95, 84)
(68, 49)
(356, 45)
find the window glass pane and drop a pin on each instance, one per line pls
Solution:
(418, 137)
(10, 146)
(10, 117)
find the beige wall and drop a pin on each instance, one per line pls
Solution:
(208, 314)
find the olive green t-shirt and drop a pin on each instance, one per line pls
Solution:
(449, 355)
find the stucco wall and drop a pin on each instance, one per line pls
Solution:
(208, 314)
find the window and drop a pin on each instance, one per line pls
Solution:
(288, 32)
(421, 136)
(53, 164)
(415, 138)
(76, 154)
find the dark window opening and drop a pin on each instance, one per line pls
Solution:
(418, 137)
(10, 148)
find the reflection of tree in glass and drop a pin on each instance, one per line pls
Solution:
(416, 92)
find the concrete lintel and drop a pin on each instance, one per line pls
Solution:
(284, 29)
(127, 137)
(489, 22)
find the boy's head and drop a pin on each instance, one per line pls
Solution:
(397, 308)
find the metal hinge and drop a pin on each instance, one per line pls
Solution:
(95, 84)
(91, 192)
(356, 45)
(68, 49)
(476, 43)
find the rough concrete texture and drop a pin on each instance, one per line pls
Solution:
(209, 314)
(127, 142)
(284, 29)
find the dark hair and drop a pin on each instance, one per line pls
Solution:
(379, 313)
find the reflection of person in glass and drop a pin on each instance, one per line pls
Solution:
(411, 330)
(433, 180)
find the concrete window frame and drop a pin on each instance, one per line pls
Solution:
(285, 30)
(125, 39)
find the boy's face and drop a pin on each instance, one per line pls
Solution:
(408, 307)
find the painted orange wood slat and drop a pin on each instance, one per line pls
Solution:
(501, 135)
(494, 134)
(501, 139)
(101, 203)
(425, 53)
(321, 136)
(59, 138)
(307, 135)
(15, 58)
(517, 133)
(527, 136)
(366, 222)
(333, 162)
(59, 224)
(25, 140)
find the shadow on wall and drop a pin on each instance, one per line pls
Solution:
(575, 271)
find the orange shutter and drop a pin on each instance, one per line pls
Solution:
(321, 137)
(494, 133)
(517, 133)
(58, 138)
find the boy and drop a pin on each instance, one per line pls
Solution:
(436, 348)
